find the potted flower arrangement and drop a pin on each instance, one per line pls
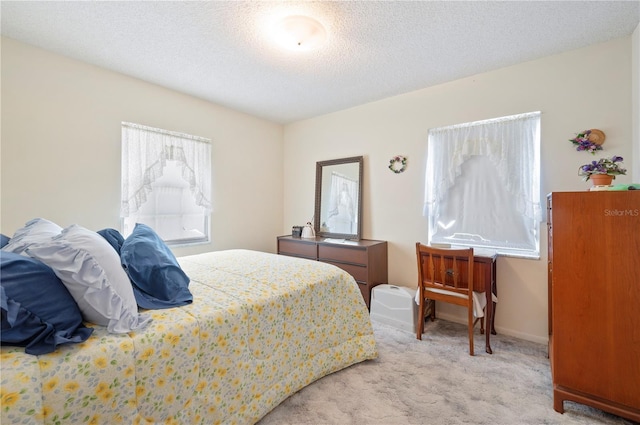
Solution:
(603, 171)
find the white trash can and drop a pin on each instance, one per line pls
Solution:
(394, 306)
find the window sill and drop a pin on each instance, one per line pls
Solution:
(185, 244)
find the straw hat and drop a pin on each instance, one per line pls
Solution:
(596, 136)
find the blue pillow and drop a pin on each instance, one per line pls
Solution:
(114, 238)
(3, 241)
(157, 279)
(38, 312)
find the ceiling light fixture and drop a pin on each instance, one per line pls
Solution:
(300, 33)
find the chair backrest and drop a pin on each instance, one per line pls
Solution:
(445, 268)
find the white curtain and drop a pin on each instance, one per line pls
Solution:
(458, 201)
(145, 151)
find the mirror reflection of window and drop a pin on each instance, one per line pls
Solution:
(342, 217)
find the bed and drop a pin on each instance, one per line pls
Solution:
(260, 327)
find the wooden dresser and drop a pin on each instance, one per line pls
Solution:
(365, 260)
(594, 299)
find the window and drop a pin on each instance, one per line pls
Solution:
(482, 185)
(166, 183)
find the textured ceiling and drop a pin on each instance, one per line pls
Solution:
(221, 51)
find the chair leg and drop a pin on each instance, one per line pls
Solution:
(476, 320)
(420, 326)
(432, 304)
(470, 326)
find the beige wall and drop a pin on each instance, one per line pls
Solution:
(61, 148)
(60, 152)
(587, 88)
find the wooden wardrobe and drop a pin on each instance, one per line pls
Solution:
(594, 299)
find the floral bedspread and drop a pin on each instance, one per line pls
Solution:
(261, 327)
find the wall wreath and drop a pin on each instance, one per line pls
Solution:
(589, 141)
(398, 164)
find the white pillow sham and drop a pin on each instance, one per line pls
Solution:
(34, 231)
(90, 269)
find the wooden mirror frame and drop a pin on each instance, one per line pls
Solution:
(319, 221)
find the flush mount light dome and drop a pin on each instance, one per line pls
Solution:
(300, 33)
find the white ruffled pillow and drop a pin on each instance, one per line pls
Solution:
(90, 269)
(35, 231)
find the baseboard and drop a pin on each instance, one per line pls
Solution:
(499, 329)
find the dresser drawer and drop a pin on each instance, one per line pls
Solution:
(328, 253)
(359, 273)
(297, 249)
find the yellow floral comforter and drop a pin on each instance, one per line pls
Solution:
(261, 327)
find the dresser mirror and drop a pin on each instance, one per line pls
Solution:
(338, 210)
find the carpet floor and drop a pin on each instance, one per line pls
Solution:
(435, 381)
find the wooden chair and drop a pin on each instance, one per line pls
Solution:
(445, 274)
